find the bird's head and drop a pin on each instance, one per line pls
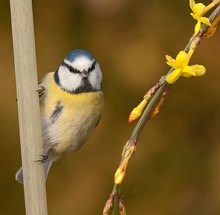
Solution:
(79, 72)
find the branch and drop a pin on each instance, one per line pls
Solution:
(153, 101)
(28, 106)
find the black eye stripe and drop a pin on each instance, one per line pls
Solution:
(92, 67)
(71, 69)
(76, 71)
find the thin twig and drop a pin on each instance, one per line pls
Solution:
(130, 146)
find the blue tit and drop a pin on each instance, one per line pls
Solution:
(71, 105)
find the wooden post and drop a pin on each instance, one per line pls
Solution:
(28, 106)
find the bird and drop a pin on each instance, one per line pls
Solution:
(71, 105)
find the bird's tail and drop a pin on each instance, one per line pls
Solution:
(19, 173)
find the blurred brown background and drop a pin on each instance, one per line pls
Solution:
(176, 168)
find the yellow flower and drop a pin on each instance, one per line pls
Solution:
(137, 111)
(121, 171)
(119, 175)
(199, 10)
(181, 68)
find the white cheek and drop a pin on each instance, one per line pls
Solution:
(95, 78)
(68, 80)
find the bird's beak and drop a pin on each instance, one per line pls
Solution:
(85, 74)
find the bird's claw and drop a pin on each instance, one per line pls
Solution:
(43, 159)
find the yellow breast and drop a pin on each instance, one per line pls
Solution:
(80, 114)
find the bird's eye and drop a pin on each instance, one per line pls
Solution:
(92, 67)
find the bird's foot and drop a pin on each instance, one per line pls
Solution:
(43, 159)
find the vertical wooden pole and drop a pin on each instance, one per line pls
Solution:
(28, 106)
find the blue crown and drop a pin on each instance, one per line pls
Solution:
(77, 53)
